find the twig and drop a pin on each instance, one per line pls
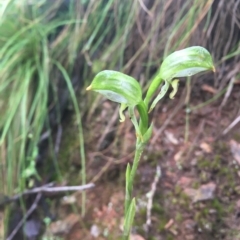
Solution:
(49, 188)
(29, 212)
(59, 189)
(233, 124)
(228, 92)
(150, 196)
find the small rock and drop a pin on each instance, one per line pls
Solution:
(205, 192)
(32, 228)
(95, 231)
(68, 200)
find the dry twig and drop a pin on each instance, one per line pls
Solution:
(232, 125)
(150, 196)
(48, 189)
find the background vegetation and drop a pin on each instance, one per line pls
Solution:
(50, 50)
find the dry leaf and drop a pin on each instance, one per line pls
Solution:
(171, 138)
(169, 224)
(206, 147)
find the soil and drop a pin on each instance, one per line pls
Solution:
(197, 195)
(187, 184)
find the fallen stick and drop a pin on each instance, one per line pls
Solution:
(48, 189)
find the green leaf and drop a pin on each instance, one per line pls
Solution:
(128, 188)
(148, 134)
(128, 221)
(117, 87)
(186, 62)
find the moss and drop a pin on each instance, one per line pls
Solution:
(174, 201)
(203, 163)
(204, 176)
(178, 217)
(236, 137)
(221, 147)
(197, 216)
(218, 206)
(158, 209)
(195, 184)
(169, 237)
(177, 189)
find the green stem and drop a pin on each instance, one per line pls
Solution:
(138, 153)
(156, 82)
(130, 180)
(142, 109)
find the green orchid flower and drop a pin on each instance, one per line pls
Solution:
(183, 63)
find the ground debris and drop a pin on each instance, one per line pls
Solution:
(136, 237)
(171, 138)
(169, 224)
(205, 192)
(95, 231)
(206, 147)
(63, 227)
(184, 182)
(235, 149)
(209, 89)
(32, 228)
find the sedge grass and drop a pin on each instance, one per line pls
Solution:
(26, 69)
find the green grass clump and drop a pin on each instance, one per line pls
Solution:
(32, 49)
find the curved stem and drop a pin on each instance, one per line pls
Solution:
(142, 109)
(156, 82)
